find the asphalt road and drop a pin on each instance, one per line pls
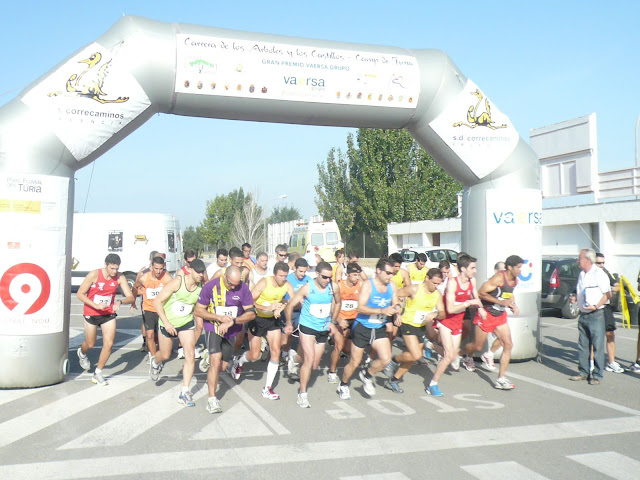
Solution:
(547, 428)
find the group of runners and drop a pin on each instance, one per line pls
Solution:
(291, 307)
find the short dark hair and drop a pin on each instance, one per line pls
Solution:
(281, 248)
(294, 256)
(497, 265)
(235, 252)
(444, 264)
(323, 266)
(422, 257)
(158, 260)
(262, 254)
(512, 261)
(153, 253)
(222, 251)
(384, 262)
(601, 255)
(339, 252)
(301, 262)
(353, 254)
(246, 244)
(434, 272)
(280, 267)
(353, 267)
(189, 253)
(465, 260)
(396, 257)
(112, 259)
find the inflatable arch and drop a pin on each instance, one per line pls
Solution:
(104, 91)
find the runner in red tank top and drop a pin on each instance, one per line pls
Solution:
(98, 292)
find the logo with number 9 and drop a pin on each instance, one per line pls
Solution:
(25, 288)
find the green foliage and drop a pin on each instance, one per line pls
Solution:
(219, 216)
(384, 177)
(193, 239)
(285, 213)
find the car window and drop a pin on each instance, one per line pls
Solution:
(575, 268)
(565, 270)
(547, 267)
(453, 255)
(437, 255)
(409, 256)
(317, 239)
(332, 238)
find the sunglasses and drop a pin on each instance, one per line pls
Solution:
(282, 254)
(599, 263)
(326, 277)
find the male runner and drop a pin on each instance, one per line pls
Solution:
(221, 262)
(150, 284)
(353, 257)
(378, 299)
(235, 258)
(349, 295)
(497, 295)
(259, 271)
(133, 307)
(424, 305)
(98, 293)
(417, 270)
(320, 307)
(174, 305)
(225, 304)
(297, 278)
(268, 297)
(281, 256)
(190, 256)
(248, 260)
(461, 294)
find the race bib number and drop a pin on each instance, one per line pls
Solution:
(349, 305)
(420, 317)
(416, 282)
(379, 318)
(102, 300)
(505, 295)
(153, 292)
(181, 309)
(228, 311)
(322, 310)
(265, 304)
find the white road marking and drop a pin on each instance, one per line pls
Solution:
(242, 457)
(7, 396)
(269, 419)
(574, 394)
(31, 422)
(502, 471)
(237, 422)
(379, 476)
(611, 464)
(134, 422)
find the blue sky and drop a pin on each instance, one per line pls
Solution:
(540, 63)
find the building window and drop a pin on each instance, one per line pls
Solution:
(559, 179)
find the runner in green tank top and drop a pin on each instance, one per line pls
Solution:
(175, 304)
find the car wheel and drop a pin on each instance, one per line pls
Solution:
(570, 310)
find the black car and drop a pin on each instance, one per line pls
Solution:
(559, 280)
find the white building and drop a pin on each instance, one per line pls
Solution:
(582, 207)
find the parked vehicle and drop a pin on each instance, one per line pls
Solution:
(434, 255)
(130, 235)
(559, 280)
(322, 238)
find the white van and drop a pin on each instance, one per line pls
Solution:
(130, 235)
(322, 238)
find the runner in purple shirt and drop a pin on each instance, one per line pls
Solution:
(225, 304)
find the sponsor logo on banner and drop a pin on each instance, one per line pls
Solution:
(88, 99)
(527, 271)
(31, 296)
(481, 135)
(253, 69)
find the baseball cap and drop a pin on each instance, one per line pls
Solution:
(198, 265)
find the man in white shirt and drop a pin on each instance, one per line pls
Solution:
(593, 292)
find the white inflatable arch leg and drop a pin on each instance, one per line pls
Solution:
(104, 91)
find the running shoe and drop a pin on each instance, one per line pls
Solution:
(198, 352)
(236, 369)
(390, 369)
(84, 360)
(423, 361)
(303, 400)
(487, 361)
(148, 362)
(144, 347)
(456, 364)
(267, 392)
(428, 351)
(504, 384)
(393, 386)
(614, 367)
(343, 391)
(434, 390)
(292, 366)
(204, 363)
(469, 364)
(367, 361)
(181, 352)
(635, 368)
(154, 371)
(369, 387)
(213, 405)
(98, 379)
(332, 377)
(186, 398)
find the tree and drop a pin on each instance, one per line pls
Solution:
(385, 176)
(193, 239)
(219, 216)
(249, 225)
(285, 213)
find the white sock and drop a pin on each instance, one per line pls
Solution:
(243, 359)
(82, 355)
(489, 353)
(293, 354)
(185, 389)
(272, 369)
(432, 383)
(98, 370)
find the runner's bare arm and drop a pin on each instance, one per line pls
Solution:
(91, 278)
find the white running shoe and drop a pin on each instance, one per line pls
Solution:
(236, 369)
(267, 392)
(469, 364)
(303, 400)
(332, 377)
(369, 387)
(504, 384)
(343, 391)
(98, 379)
(614, 367)
(204, 363)
(456, 363)
(487, 361)
(181, 352)
(213, 405)
(84, 360)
